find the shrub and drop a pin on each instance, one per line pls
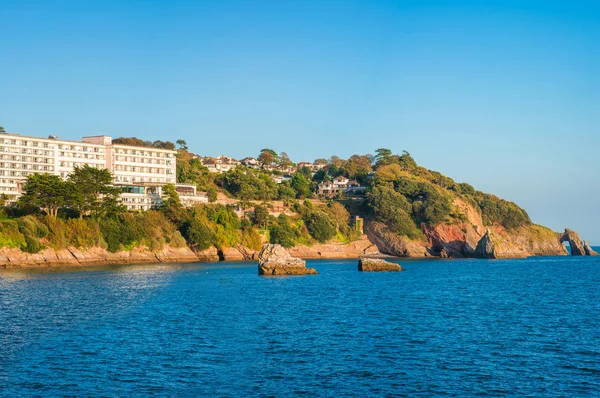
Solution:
(320, 226)
(200, 234)
(283, 233)
(10, 236)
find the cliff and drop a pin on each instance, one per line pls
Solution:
(468, 238)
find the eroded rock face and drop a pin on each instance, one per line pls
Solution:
(485, 248)
(377, 265)
(588, 249)
(391, 243)
(275, 260)
(575, 242)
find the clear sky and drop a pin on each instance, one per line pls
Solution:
(503, 94)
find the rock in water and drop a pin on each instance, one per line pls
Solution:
(575, 242)
(588, 249)
(485, 247)
(275, 260)
(377, 265)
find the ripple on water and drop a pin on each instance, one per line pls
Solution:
(460, 327)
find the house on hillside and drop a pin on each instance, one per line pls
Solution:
(339, 185)
(188, 195)
(250, 162)
(219, 164)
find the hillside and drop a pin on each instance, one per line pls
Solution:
(401, 209)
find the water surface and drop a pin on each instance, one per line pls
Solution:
(451, 327)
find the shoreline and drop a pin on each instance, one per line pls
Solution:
(100, 262)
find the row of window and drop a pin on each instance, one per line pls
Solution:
(26, 166)
(143, 179)
(28, 143)
(79, 155)
(12, 173)
(26, 151)
(134, 169)
(80, 148)
(80, 164)
(26, 159)
(143, 153)
(140, 160)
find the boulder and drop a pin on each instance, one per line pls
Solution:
(575, 242)
(485, 247)
(377, 265)
(275, 260)
(588, 249)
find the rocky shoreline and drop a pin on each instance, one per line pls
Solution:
(377, 244)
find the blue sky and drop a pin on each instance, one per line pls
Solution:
(504, 95)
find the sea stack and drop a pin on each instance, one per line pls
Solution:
(485, 247)
(575, 242)
(588, 249)
(377, 265)
(275, 260)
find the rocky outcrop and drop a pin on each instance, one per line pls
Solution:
(275, 260)
(575, 242)
(588, 249)
(239, 254)
(393, 244)
(356, 249)
(485, 248)
(15, 258)
(377, 265)
(209, 255)
(455, 241)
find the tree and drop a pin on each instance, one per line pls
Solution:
(261, 216)
(171, 205)
(319, 226)
(340, 215)
(406, 161)
(337, 161)
(2, 131)
(46, 191)
(268, 156)
(163, 145)
(182, 144)
(285, 160)
(357, 166)
(200, 234)
(211, 192)
(283, 233)
(300, 185)
(93, 192)
(383, 156)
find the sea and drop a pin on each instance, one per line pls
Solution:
(528, 327)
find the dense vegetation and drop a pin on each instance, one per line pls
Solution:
(84, 210)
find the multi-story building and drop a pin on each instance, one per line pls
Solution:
(140, 172)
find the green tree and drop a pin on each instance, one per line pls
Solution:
(261, 216)
(320, 226)
(282, 232)
(2, 131)
(182, 144)
(200, 234)
(46, 191)
(268, 157)
(383, 156)
(300, 185)
(93, 192)
(212, 194)
(171, 204)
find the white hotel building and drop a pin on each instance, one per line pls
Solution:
(140, 172)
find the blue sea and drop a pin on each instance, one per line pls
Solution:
(442, 328)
